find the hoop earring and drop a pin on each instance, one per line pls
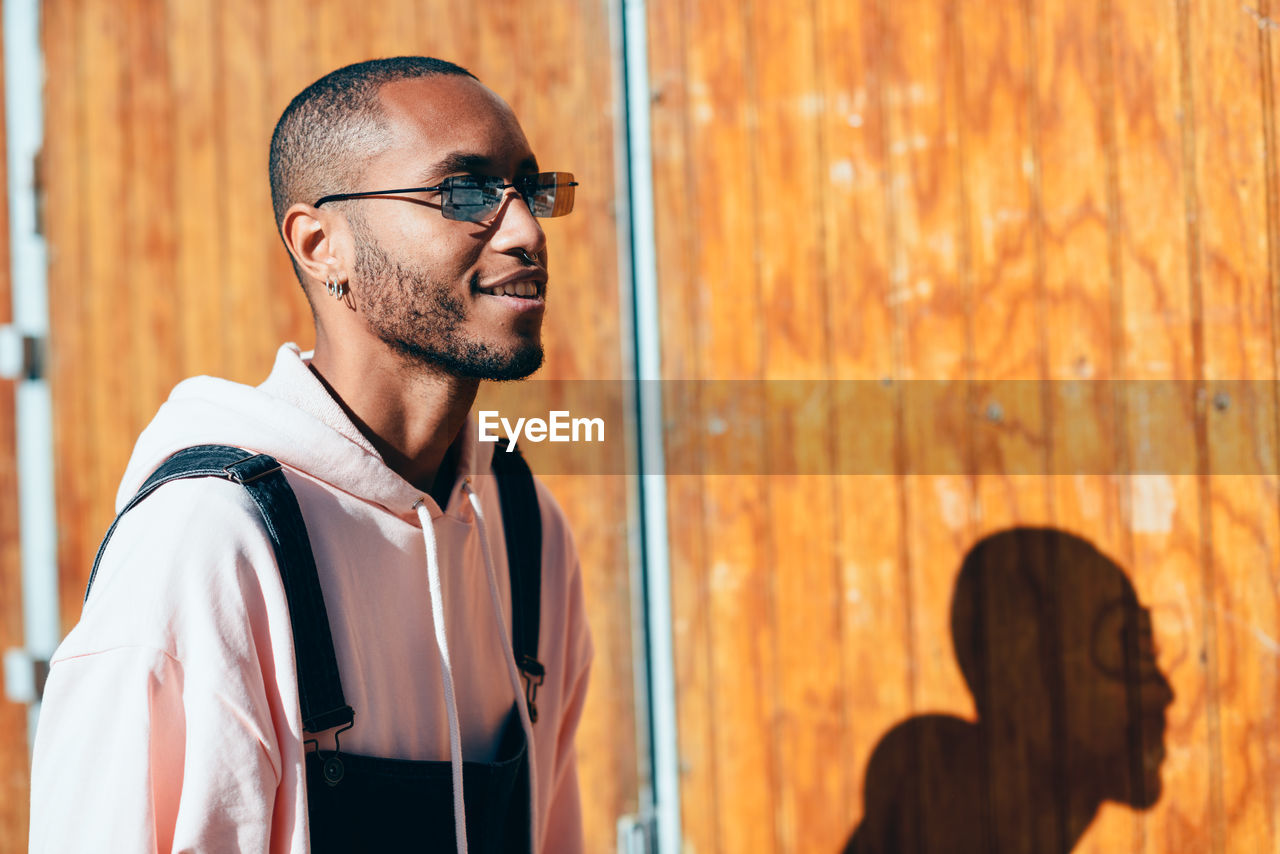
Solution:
(336, 289)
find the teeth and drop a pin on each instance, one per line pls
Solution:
(515, 289)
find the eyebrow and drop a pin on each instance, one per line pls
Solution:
(462, 161)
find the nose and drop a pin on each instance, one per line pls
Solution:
(516, 228)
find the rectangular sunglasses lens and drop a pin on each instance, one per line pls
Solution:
(471, 199)
(550, 194)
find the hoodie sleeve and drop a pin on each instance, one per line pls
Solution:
(163, 724)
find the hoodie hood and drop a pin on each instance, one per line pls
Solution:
(293, 418)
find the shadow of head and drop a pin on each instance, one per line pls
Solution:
(1059, 656)
(1058, 653)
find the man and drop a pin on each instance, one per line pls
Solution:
(171, 718)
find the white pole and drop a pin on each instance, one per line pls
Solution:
(24, 124)
(653, 481)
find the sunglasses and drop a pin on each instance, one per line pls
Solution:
(476, 198)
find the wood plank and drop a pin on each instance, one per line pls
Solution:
(244, 128)
(102, 40)
(396, 24)
(681, 318)
(1074, 82)
(66, 216)
(998, 129)
(190, 32)
(293, 65)
(1004, 250)
(862, 267)
(1230, 170)
(740, 606)
(922, 109)
(1166, 523)
(789, 188)
(460, 41)
(149, 208)
(931, 297)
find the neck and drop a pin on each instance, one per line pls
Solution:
(1039, 804)
(409, 412)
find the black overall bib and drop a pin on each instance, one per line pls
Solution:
(364, 803)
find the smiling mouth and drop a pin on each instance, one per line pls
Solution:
(529, 285)
(521, 290)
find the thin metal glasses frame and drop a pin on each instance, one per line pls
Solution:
(491, 192)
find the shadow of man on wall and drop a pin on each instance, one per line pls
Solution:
(1058, 653)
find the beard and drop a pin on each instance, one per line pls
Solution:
(422, 319)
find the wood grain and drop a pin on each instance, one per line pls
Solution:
(923, 103)
(1236, 324)
(675, 176)
(1075, 143)
(1158, 334)
(862, 267)
(914, 190)
(740, 604)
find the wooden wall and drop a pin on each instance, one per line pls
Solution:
(968, 192)
(848, 190)
(15, 777)
(165, 261)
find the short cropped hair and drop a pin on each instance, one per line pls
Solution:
(331, 128)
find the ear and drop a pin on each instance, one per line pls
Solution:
(319, 241)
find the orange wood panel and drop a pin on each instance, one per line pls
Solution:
(75, 471)
(1157, 318)
(1000, 186)
(147, 260)
(741, 603)
(715, 273)
(1075, 139)
(923, 103)
(862, 268)
(294, 61)
(734, 586)
(100, 88)
(675, 177)
(789, 189)
(15, 778)
(201, 195)
(1003, 253)
(1236, 321)
(244, 120)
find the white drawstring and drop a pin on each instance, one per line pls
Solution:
(512, 671)
(446, 670)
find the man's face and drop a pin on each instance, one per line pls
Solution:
(432, 288)
(1122, 698)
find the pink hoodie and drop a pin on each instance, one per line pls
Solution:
(170, 718)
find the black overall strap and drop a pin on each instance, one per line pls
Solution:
(522, 524)
(319, 686)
